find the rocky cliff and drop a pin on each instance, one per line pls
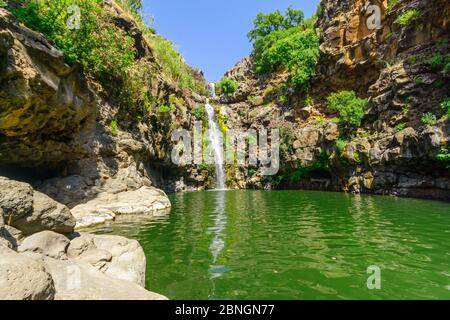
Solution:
(393, 152)
(61, 131)
(83, 158)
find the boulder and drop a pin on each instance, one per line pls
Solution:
(117, 257)
(31, 211)
(22, 278)
(47, 243)
(16, 199)
(77, 280)
(146, 200)
(47, 215)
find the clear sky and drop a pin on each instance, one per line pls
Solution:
(212, 35)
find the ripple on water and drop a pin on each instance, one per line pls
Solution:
(294, 245)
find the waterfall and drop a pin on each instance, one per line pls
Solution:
(215, 138)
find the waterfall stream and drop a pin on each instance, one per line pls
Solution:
(216, 140)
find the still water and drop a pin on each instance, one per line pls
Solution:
(294, 245)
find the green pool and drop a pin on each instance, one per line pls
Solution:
(294, 245)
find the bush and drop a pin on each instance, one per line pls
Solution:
(391, 4)
(285, 42)
(292, 49)
(199, 113)
(163, 108)
(446, 68)
(444, 156)
(341, 144)
(408, 16)
(114, 127)
(106, 52)
(445, 105)
(173, 65)
(227, 86)
(429, 119)
(350, 108)
(283, 99)
(3, 3)
(400, 126)
(436, 60)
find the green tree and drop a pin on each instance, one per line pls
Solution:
(227, 86)
(350, 107)
(264, 24)
(286, 42)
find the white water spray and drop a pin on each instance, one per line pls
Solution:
(215, 138)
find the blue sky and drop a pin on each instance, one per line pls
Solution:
(212, 35)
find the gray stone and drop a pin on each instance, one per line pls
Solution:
(16, 199)
(146, 200)
(77, 280)
(117, 257)
(47, 215)
(48, 243)
(22, 278)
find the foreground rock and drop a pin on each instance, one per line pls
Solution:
(105, 207)
(47, 243)
(31, 211)
(38, 263)
(51, 266)
(23, 278)
(80, 281)
(47, 215)
(115, 256)
(16, 199)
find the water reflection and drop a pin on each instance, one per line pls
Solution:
(217, 230)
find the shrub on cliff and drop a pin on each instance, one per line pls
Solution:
(285, 42)
(445, 105)
(429, 119)
(444, 156)
(350, 107)
(408, 16)
(227, 86)
(106, 52)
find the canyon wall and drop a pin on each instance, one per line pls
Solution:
(392, 152)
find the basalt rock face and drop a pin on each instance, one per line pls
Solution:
(55, 125)
(392, 152)
(44, 102)
(56, 137)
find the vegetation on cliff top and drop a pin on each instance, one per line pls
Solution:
(107, 52)
(285, 41)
